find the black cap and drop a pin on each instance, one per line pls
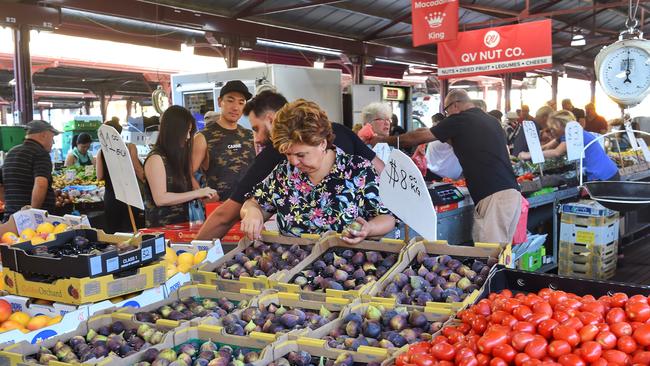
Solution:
(37, 126)
(235, 86)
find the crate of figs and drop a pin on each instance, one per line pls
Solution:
(338, 269)
(253, 262)
(83, 253)
(437, 275)
(308, 352)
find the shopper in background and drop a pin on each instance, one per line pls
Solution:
(496, 114)
(480, 145)
(511, 126)
(525, 114)
(223, 150)
(27, 170)
(593, 121)
(168, 172)
(261, 111)
(319, 188)
(116, 211)
(378, 117)
(519, 143)
(80, 155)
(578, 113)
(551, 103)
(480, 104)
(598, 166)
(395, 128)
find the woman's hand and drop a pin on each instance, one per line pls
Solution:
(206, 193)
(524, 155)
(252, 224)
(356, 236)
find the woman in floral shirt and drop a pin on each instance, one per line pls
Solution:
(319, 188)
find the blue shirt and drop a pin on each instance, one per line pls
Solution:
(597, 165)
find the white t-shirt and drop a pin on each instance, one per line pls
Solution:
(442, 161)
(382, 150)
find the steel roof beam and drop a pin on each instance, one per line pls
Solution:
(282, 9)
(372, 36)
(248, 9)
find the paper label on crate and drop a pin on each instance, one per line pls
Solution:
(24, 220)
(574, 141)
(585, 237)
(146, 253)
(120, 166)
(112, 264)
(403, 191)
(159, 244)
(95, 265)
(532, 139)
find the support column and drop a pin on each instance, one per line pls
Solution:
(554, 84)
(87, 105)
(129, 107)
(499, 95)
(444, 90)
(231, 55)
(508, 89)
(24, 105)
(592, 85)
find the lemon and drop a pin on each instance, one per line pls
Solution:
(60, 228)
(199, 257)
(27, 234)
(186, 259)
(50, 237)
(20, 318)
(184, 267)
(45, 228)
(55, 320)
(170, 256)
(37, 240)
(9, 238)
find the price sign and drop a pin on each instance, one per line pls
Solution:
(89, 170)
(70, 175)
(631, 137)
(403, 190)
(574, 141)
(120, 166)
(644, 149)
(532, 139)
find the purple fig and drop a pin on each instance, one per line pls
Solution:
(358, 259)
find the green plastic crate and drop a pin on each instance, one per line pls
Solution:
(81, 125)
(532, 261)
(11, 136)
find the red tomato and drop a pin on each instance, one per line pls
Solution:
(616, 315)
(532, 299)
(616, 357)
(642, 358)
(561, 316)
(545, 293)
(443, 351)
(536, 348)
(638, 311)
(456, 337)
(532, 362)
(520, 340)
(621, 329)
(642, 335)
(467, 361)
(479, 324)
(403, 359)
(422, 359)
(637, 298)
(599, 362)
(506, 293)
(537, 318)
(463, 353)
(504, 352)
(447, 331)
(445, 363)
(574, 323)
(606, 339)
(522, 312)
(573, 304)
(420, 347)
(464, 327)
(590, 351)
(558, 348)
(603, 327)
(557, 297)
(588, 332)
(545, 328)
(626, 344)
(525, 327)
(498, 362)
(520, 358)
(587, 317)
(618, 300)
(595, 307)
(543, 307)
(511, 304)
(490, 339)
(568, 334)
(439, 338)
(571, 360)
(483, 360)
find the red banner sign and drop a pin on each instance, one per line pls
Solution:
(434, 21)
(519, 47)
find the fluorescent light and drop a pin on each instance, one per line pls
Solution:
(12, 82)
(48, 104)
(187, 49)
(298, 47)
(403, 62)
(58, 92)
(319, 65)
(578, 40)
(460, 86)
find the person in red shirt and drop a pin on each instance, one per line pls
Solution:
(594, 122)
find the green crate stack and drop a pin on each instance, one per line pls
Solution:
(11, 136)
(81, 126)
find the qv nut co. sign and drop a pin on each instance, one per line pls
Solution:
(512, 48)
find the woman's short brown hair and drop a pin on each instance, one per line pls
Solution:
(301, 122)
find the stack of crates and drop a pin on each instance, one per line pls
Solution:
(87, 124)
(588, 240)
(11, 136)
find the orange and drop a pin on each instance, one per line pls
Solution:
(20, 317)
(9, 238)
(54, 320)
(5, 310)
(38, 322)
(10, 324)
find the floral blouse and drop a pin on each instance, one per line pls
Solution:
(350, 190)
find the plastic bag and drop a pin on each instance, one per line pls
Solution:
(521, 231)
(197, 213)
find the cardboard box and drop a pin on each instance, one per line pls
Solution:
(183, 233)
(603, 271)
(206, 273)
(85, 290)
(283, 281)
(20, 353)
(481, 251)
(312, 346)
(587, 208)
(138, 300)
(589, 220)
(19, 259)
(589, 234)
(32, 217)
(214, 252)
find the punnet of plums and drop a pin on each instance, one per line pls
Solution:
(275, 318)
(344, 269)
(379, 327)
(78, 245)
(431, 278)
(197, 353)
(262, 259)
(191, 308)
(303, 358)
(115, 339)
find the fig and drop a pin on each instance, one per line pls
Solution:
(417, 319)
(200, 362)
(464, 283)
(417, 282)
(373, 313)
(340, 275)
(398, 322)
(208, 346)
(150, 355)
(371, 329)
(161, 362)
(358, 259)
(352, 329)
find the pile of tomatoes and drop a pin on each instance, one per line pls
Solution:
(548, 328)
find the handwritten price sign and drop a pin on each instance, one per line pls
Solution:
(403, 190)
(532, 139)
(120, 166)
(574, 141)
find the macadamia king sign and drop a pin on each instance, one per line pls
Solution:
(434, 21)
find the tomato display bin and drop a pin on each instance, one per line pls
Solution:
(184, 233)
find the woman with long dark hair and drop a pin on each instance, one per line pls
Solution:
(168, 173)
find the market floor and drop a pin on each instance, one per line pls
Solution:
(635, 268)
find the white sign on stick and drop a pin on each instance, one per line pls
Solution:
(403, 190)
(631, 137)
(120, 166)
(644, 149)
(532, 139)
(574, 141)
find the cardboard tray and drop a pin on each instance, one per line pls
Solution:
(18, 354)
(282, 282)
(32, 217)
(85, 290)
(201, 291)
(17, 259)
(205, 273)
(311, 346)
(478, 251)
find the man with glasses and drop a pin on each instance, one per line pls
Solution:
(480, 145)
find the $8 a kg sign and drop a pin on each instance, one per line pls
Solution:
(404, 192)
